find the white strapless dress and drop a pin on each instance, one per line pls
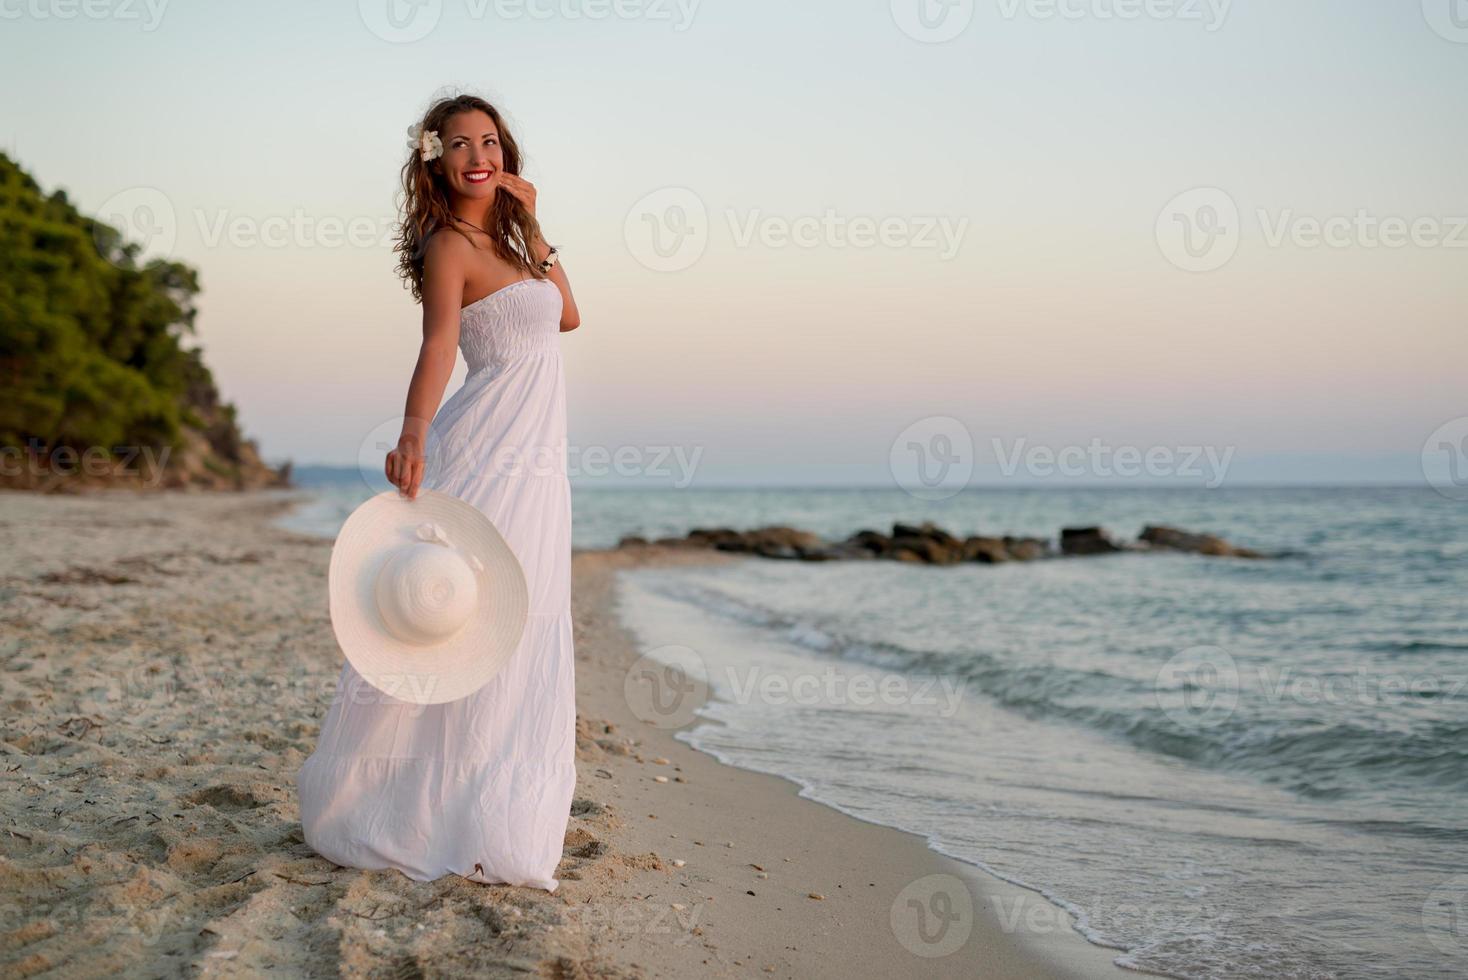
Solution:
(480, 787)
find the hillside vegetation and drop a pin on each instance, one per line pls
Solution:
(99, 387)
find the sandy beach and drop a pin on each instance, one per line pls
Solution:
(168, 658)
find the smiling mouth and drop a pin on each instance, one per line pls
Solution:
(477, 176)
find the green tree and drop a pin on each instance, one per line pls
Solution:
(91, 340)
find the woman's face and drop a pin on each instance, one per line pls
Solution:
(471, 154)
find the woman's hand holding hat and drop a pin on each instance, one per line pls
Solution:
(404, 465)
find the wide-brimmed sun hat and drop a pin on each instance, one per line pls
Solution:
(427, 600)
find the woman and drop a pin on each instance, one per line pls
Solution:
(480, 787)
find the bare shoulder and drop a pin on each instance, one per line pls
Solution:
(446, 247)
(445, 264)
(445, 260)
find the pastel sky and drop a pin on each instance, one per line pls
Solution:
(801, 233)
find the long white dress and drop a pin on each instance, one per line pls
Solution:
(480, 787)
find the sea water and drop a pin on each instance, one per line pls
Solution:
(1219, 767)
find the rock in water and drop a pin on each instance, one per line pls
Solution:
(1026, 549)
(928, 544)
(1087, 541)
(1174, 539)
(990, 551)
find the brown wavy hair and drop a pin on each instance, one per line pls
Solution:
(425, 205)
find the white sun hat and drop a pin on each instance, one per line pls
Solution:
(427, 600)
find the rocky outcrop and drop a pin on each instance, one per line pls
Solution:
(928, 544)
(1163, 538)
(767, 542)
(1087, 541)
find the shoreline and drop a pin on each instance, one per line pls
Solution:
(171, 663)
(863, 864)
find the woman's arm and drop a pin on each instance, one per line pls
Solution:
(443, 295)
(525, 192)
(570, 315)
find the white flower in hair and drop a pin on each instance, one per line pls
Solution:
(428, 145)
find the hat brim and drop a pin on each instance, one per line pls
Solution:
(434, 673)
